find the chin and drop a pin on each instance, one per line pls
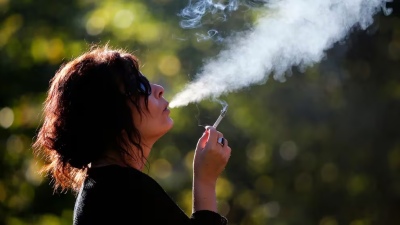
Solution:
(167, 126)
(171, 124)
(165, 131)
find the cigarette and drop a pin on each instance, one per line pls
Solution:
(223, 112)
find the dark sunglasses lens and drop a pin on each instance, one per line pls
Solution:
(143, 89)
(144, 86)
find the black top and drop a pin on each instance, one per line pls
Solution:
(123, 195)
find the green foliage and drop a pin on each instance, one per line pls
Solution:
(321, 148)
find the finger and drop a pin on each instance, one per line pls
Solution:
(225, 142)
(226, 150)
(213, 136)
(226, 145)
(203, 139)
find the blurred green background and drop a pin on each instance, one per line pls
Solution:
(321, 148)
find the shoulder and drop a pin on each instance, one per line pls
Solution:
(109, 193)
(115, 177)
(113, 172)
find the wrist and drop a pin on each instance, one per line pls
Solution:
(204, 195)
(205, 183)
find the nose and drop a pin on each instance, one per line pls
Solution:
(158, 90)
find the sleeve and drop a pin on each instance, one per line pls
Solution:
(160, 208)
(207, 217)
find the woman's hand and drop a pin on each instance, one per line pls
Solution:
(209, 161)
(210, 156)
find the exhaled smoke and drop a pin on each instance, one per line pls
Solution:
(291, 33)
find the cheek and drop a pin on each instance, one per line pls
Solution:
(148, 114)
(151, 107)
(140, 119)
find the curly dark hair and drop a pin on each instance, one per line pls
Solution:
(86, 111)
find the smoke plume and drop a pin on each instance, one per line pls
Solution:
(289, 33)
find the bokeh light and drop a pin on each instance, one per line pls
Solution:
(6, 117)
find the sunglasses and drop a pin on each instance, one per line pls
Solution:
(141, 86)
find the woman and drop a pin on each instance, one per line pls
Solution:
(101, 119)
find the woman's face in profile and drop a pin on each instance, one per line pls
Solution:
(155, 122)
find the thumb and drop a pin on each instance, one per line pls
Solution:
(203, 140)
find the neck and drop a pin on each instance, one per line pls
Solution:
(114, 158)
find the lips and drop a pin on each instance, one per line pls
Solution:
(166, 107)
